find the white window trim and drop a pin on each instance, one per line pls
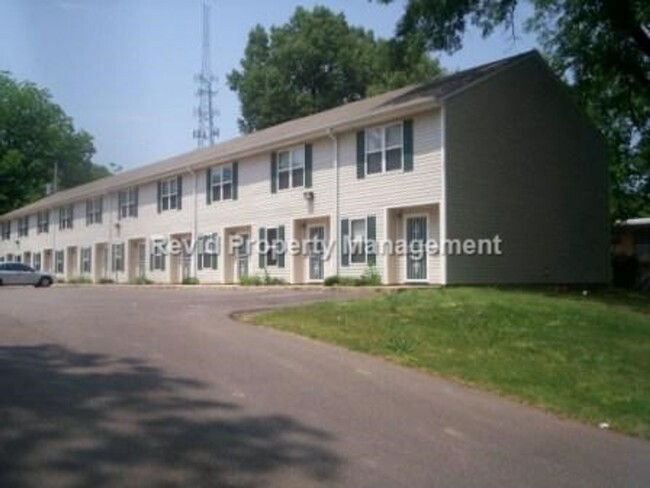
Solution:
(223, 181)
(43, 222)
(6, 231)
(203, 254)
(65, 217)
(272, 250)
(384, 148)
(86, 260)
(23, 230)
(293, 165)
(169, 191)
(127, 203)
(94, 210)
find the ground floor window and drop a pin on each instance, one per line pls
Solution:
(157, 256)
(36, 261)
(208, 252)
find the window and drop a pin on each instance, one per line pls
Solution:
(65, 217)
(291, 168)
(43, 221)
(6, 230)
(222, 183)
(117, 257)
(58, 262)
(169, 194)
(127, 202)
(94, 210)
(86, 254)
(10, 258)
(23, 226)
(208, 252)
(358, 241)
(36, 261)
(157, 255)
(272, 247)
(384, 148)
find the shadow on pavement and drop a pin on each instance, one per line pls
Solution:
(71, 419)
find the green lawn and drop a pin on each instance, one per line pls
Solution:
(584, 356)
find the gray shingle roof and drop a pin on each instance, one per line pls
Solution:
(348, 115)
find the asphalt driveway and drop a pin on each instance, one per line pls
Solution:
(137, 386)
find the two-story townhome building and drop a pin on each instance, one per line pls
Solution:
(497, 153)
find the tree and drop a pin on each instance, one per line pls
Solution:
(600, 47)
(35, 134)
(317, 61)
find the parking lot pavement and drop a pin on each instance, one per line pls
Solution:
(141, 386)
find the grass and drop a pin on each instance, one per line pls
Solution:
(587, 357)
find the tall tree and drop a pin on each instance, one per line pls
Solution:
(35, 134)
(600, 47)
(317, 61)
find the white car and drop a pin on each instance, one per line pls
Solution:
(21, 274)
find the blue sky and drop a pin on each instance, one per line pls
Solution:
(123, 69)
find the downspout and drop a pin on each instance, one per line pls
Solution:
(195, 224)
(335, 140)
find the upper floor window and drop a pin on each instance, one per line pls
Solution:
(65, 217)
(291, 168)
(94, 210)
(43, 221)
(23, 226)
(170, 194)
(6, 230)
(384, 148)
(221, 183)
(127, 202)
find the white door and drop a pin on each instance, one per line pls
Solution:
(416, 257)
(316, 251)
(242, 256)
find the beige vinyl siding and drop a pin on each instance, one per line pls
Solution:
(375, 193)
(522, 162)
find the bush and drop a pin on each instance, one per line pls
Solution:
(259, 280)
(106, 281)
(370, 277)
(191, 281)
(80, 280)
(255, 280)
(141, 280)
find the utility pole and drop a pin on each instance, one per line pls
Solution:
(206, 132)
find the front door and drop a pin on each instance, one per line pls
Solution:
(316, 251)
(416, 258)
(142, 260)
(242, 256)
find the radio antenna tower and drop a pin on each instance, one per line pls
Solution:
(206, 131)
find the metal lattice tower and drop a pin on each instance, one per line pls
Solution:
(206, 132)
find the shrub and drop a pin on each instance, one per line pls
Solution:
(370, 277)
(80, 280)
(141, 280)
(259, 280)
(191, 280)
(255, 280)
(106, 281)
(332, 280)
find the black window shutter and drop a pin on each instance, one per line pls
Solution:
(281, 243)
(71, 212)
(407, 128)
(371, 231)
(262, 248)
(308, 165)
(345, 234)
(163, 260)
(151, 256)
(101, 209)
(120, 199)
(135, 213)
(208, 186)
(215, 256)
(361, 154)
(159, 196)
(235, 179)
(274, 172)
(88, 212)
(200, 254)
(179, 188)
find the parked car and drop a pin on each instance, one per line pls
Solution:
(21, 274)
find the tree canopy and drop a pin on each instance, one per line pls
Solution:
(600, 47)
(35, 134)
(317, 61)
